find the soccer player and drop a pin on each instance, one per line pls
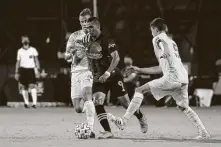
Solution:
(174, 81)
(81, 79)
(104, 58)
(25, 73)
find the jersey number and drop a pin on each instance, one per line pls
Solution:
(120, 83)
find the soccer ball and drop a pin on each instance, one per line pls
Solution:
(82, 131)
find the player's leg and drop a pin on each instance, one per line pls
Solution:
(99, 94)
(181, 98)
(76, 93)
(24, 86)
(153, 87)
(120, 92)
(24, 91)
(78, 104)
(124, 101)
(87, 96)
(32, 86)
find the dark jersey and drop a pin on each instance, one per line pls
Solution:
(99, 54)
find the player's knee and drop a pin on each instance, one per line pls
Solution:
(31, 86)
(143, 89)
(22, 87)
(87, 94)
(139, 90)
(98, 101)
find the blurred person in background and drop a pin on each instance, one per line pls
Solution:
(130, 76)
(27, 70)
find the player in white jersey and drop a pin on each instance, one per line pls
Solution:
(25, 71)
(81, 79)
(174, 81)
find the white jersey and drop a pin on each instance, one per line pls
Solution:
(26, 57)
(169, 59)
(80, 64)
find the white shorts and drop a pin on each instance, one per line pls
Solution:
(80, 80)
(165, 86)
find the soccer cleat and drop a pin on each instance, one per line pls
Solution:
(92, 135)
(26, 106)
(143, 124)
(116, 120)
(34, 106)
(106, 135)
(203, 135)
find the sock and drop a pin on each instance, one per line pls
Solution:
(34, 96)
(134, 105)
(25, 96)
(194, 118)
(102, 117)
(138, 114)
(90, 111)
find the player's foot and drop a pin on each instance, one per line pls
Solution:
(106, 135)
(92, 135)
(143, 124)
(34, 106)
(203, 135)
(116, 120)
(26, 105)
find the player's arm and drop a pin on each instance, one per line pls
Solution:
(37, 63)
(114, 62)
(17, 66)
(150, 70)
(69, 47)
(130, 78)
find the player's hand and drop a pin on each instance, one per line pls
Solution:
(135, 68)
(86, 40)
(17, 75)
(104, 77)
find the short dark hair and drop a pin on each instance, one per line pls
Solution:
(160, 24)
(85, 12)
(94, 20)
(127, 56)
(25, 36)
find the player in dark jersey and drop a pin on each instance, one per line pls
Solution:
(103, 59)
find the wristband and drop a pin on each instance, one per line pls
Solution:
(67, 54)
(107, 73)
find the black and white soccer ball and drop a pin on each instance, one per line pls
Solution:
(82, 131)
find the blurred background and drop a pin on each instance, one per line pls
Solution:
(194, 24)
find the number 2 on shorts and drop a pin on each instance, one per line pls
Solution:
(120, 83)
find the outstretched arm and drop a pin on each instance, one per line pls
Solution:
(150, 70)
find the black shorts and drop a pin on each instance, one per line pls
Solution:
(27, 76)
(115, 85)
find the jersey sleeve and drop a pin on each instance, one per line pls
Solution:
(35, 52)
(18, 55)
(71, 41)
(112, 46)
(157, 42)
